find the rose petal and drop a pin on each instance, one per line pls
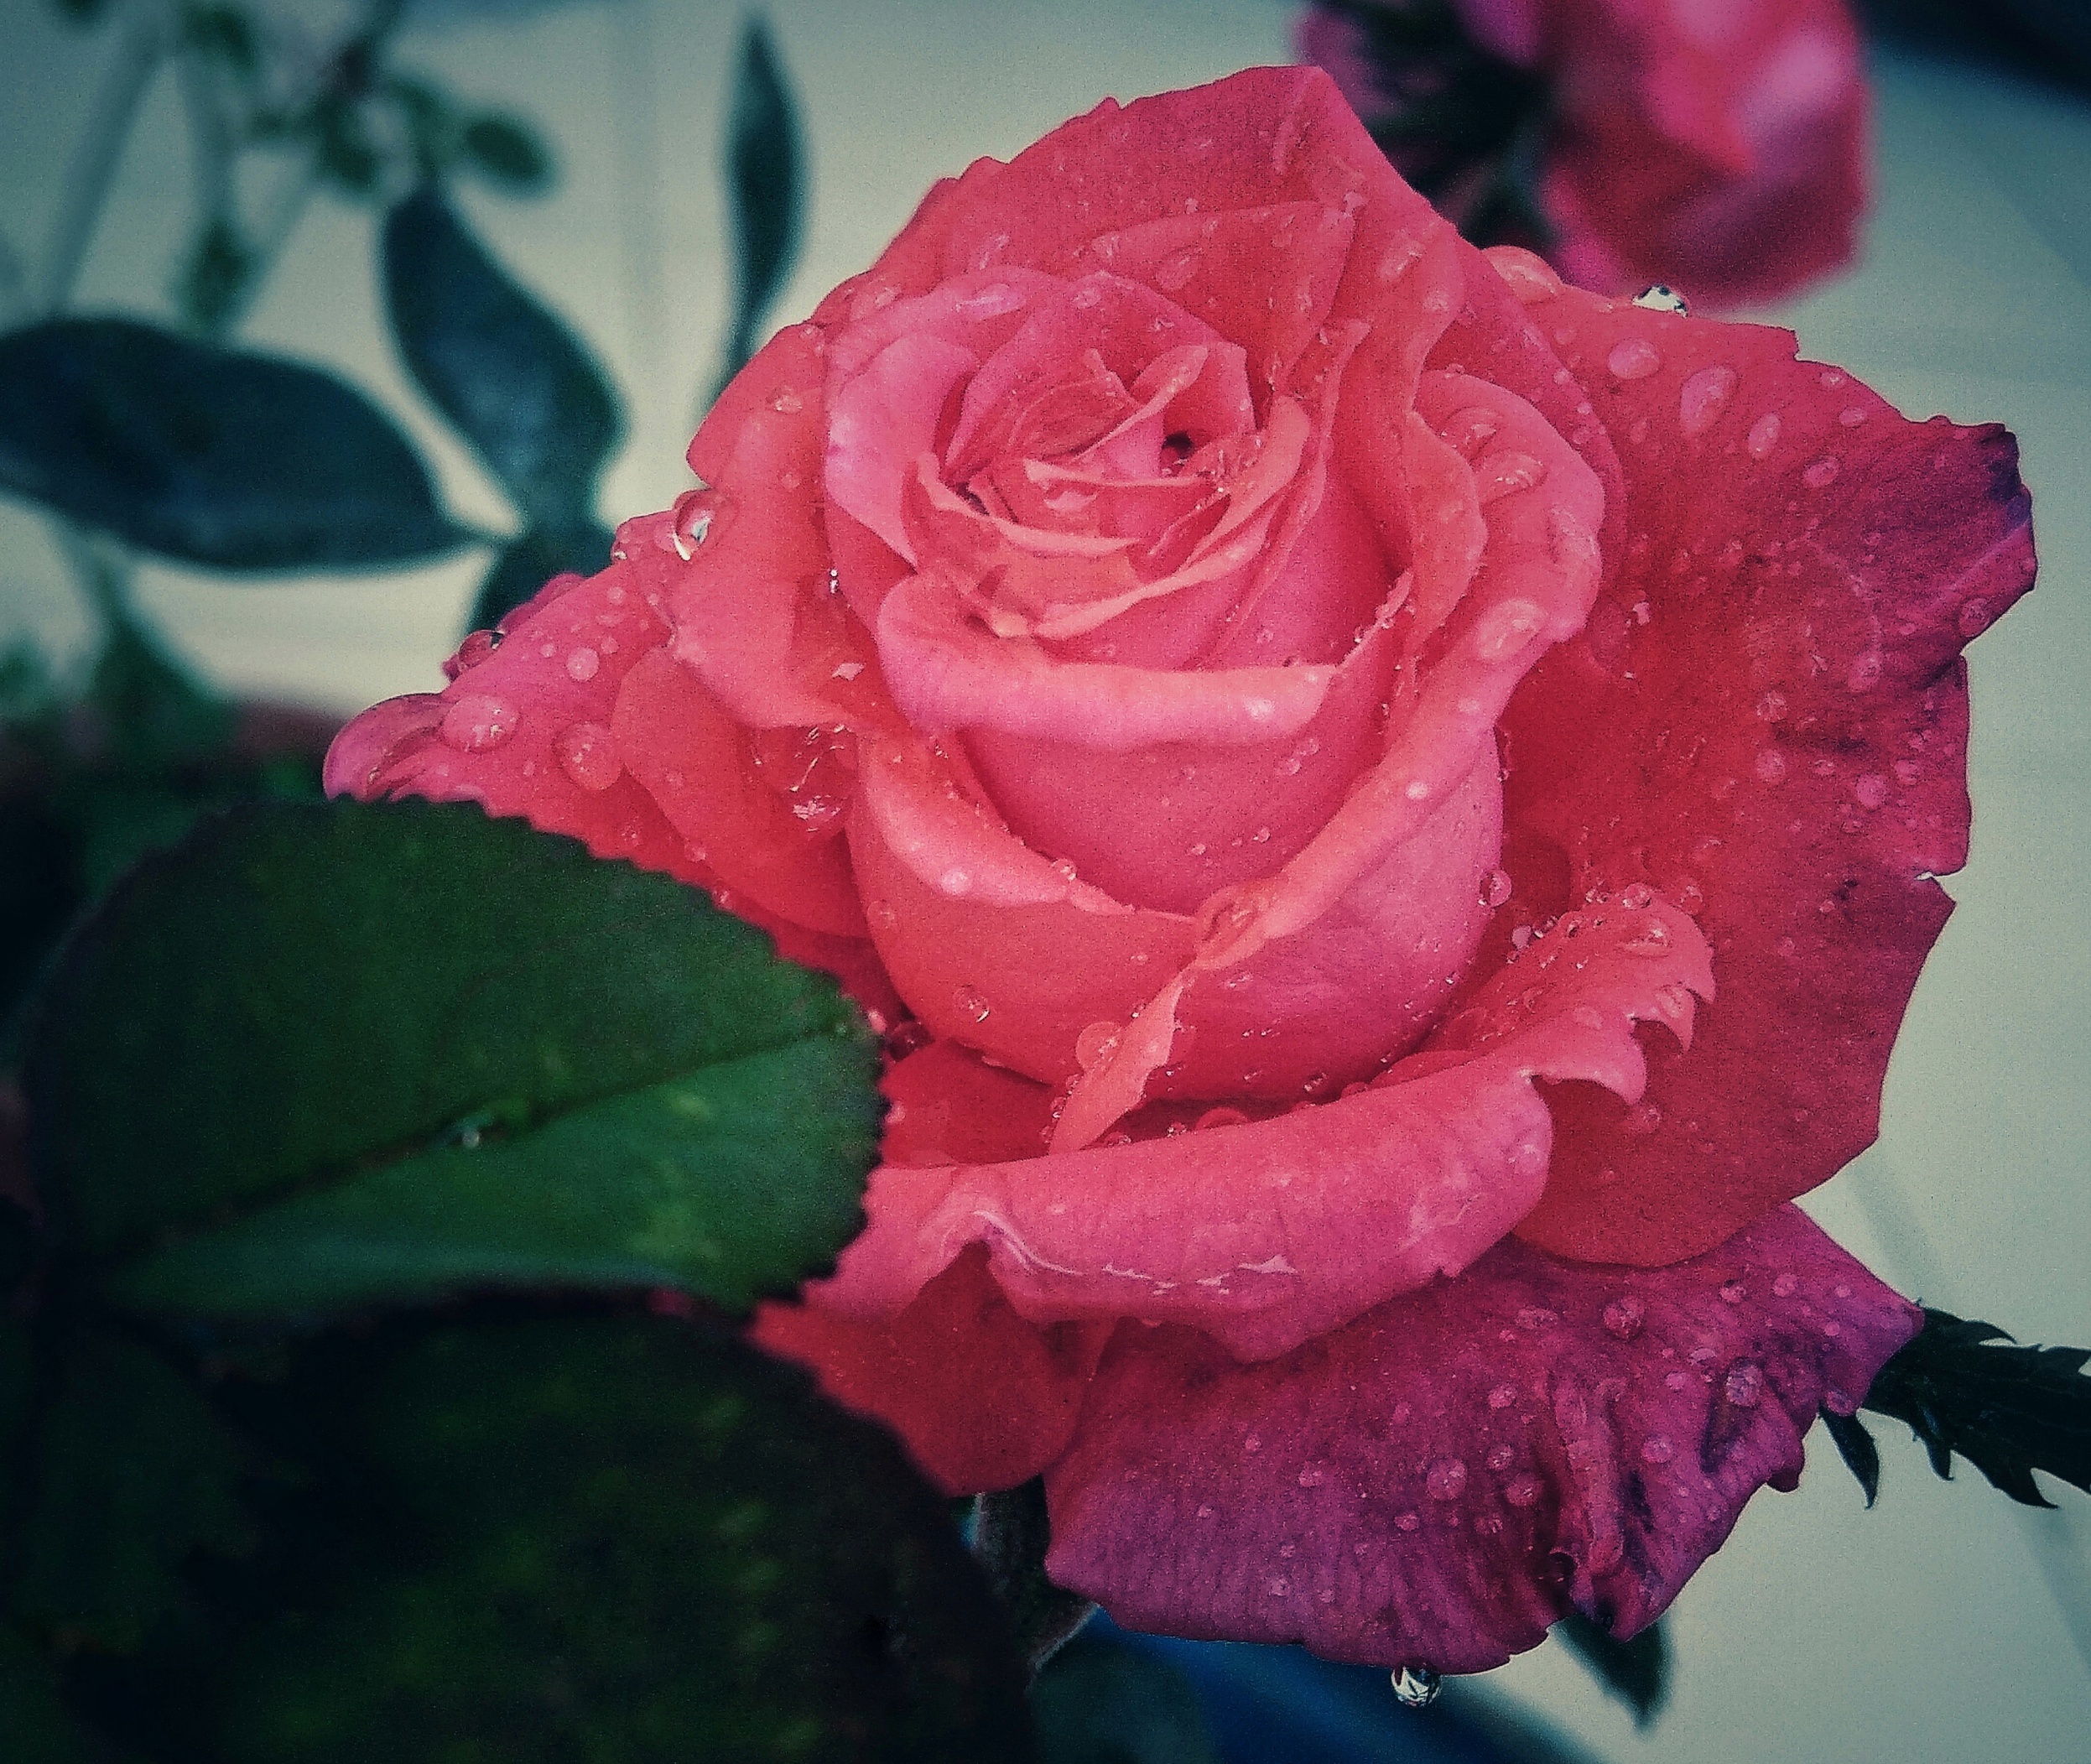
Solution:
(1264, 276)
(944, 675)
(1730, 158)
(1167, 826)
(1533, 589)
(984, 1399)
(1250, 1231)
(1769, 707)
(1437, 1483)
(694, 759)
(523, 729)
(989, 942)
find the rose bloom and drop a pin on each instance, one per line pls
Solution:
(1287, 720)
(1720, 147)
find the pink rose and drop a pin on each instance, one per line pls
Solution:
(1719, 146)
(1286, 719)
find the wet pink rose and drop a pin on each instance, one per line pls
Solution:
(1389, 809)
(1721, 148)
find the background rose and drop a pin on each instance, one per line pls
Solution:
(1746, 747)
(1720, 148)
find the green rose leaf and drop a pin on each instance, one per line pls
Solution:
(625, 1539)
(328, 1055)
(130, 1474)
(765, 188)
(2008, 1410)
(497, 362)
(211, 455)
(528, 563)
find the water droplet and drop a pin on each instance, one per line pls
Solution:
(1839, 1401)
(968, 1004)
(1502, 1396)
(1763, 436)
(1656, 297)
(1525, 1491)
(587, 755)
(1870, 788)
(1172, 272)
(1974, 617)
(907, 1037)
(1416, 1687)
(1820, 474)
(1770, 765)
(475, 649)
(1676, 1381)
(1311, 1477)
(1505, 474)
(1502, 1457)
(1507, 628)
(1745, 1384)
(1866, 672)
(1625, 1315)
(1733, 1292)
(1496, 888)
(1446, 1480)
(582, 663)
(1277, 1586)
(1633, 358)
(1537, 1317)
(1702, 397)
(1771, 707)
(1657, 1449)
(1653, 939)
(476, 722)
(1408, 1523)
(1637, 897)
(1785, 1286)
(1222, 1117)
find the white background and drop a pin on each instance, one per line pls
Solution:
(1938, 1626)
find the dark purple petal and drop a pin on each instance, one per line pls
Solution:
(1438, 1482)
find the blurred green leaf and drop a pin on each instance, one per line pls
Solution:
(210, 455)
(152, 714)
(1635, 1671)
(497, 363)
(217, 271)
(343, 152)
(626, 1540)
(224, 33)
(764, 182)
(332, 1054)
(507, 151)
(79, 12)
(530, 561)
(132, 1474)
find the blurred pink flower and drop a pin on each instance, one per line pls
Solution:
(1716, 145)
